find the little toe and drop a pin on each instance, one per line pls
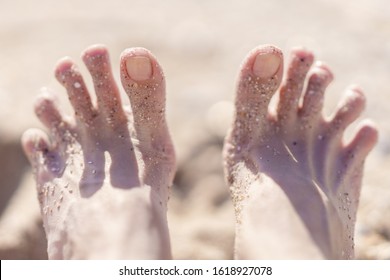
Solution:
(349, 109)
(67, 74)
(144, 83)
(259, 78)
(45, 161)
(48, 113)
(362, 143)
(313, 99)
(291, 89)
(97, 60)
(35, 143)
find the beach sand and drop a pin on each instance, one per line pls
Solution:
(200, 45)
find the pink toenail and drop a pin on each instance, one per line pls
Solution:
(139, 68)
(266, 65)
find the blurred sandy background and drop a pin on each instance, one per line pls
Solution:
(200, 44)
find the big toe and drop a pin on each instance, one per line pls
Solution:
(259, 78)
(144, 83)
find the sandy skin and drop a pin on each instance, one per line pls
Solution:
(103, 174)
(295, 182)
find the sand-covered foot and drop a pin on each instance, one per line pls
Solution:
(295, 180)
(103, 174)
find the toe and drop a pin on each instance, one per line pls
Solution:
(362, 143)
(35, 143)
(97, 60)
(349, 109)
(319, 79)
(47, 111)
(292, 87)
(67, 74)
(143, 81)
(259, 77)
(45, 161)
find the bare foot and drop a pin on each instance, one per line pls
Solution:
(295, 182)
(103, 175)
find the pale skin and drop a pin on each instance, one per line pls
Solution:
(103, 174)
(294, 180)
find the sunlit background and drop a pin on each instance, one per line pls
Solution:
(200, 44)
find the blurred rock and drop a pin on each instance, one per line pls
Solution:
(13, 164)
(21, 232)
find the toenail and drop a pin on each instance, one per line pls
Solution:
(266, 65)
(139, 68)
